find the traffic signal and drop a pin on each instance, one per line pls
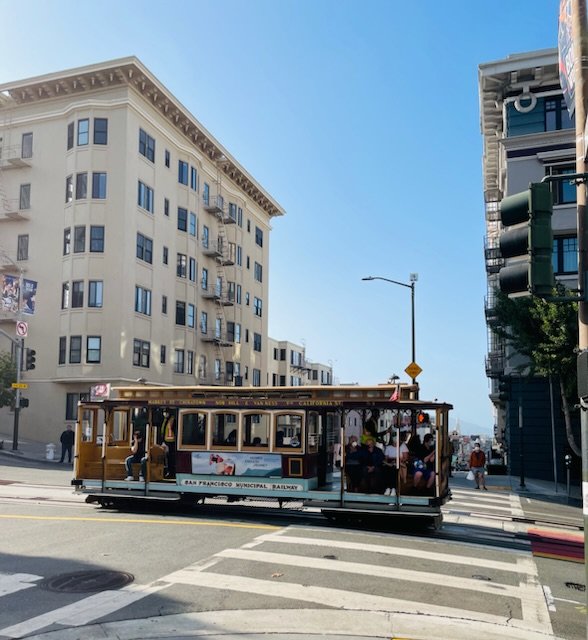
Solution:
(503, 391)
(30, 359)
(530, 240)
(423, 418)
(24, 402)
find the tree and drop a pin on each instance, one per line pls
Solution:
(7, 377)
(546, 333)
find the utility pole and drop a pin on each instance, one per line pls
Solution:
(580, 60)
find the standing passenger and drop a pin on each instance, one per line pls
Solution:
(168, 442)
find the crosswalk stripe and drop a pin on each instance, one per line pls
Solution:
(358, 568)
(339, 598)
(524, 565)
(478, 507)
(11, 583)
(86, 610)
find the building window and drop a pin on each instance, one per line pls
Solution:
(217, 369)
(565, 255)
(203, 322)
(182, 219)
(257, 342)
(96, 239)
(240, 217)
(77, 294)
(205, 236)
(237, 332)
(79, 239)
(556, 114)
(247, 262)
(192, 228)
(81, 186)
(166, 158)
(62, 349)
(75, 349)
(206, 194)
(256, 378)
(22, 247)
(142, 300)
(100, 130)
(230, 331)
(165, 255)
(233, 211)
(99, 185)
(192, 270)
(144, 248)
(239, 255)
(141, 350)
(146, 145)
(83, 132)
(193, 179)
(204, 278)
(26, 148)
(179, 361)
(202, 366)
(65, 295)
(258, 236)
(238, 297)
(145, 197)
(25, 197)
(162, 354)
(93, 349)
(190, 363)
(183, 172)
(191, 316)
(180, 312)
(231, 291)
(258, 272)
(95, 293)
(229, 371)
(71, 404)
(247, 298)
(68, 189)
(166, 207)
(257, 305)
(66, 241)
(181, 265)
(164, 305)
(70, 136)
(563, 191)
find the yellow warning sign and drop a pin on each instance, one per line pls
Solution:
(413, 370)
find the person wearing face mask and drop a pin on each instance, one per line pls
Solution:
(477, 463)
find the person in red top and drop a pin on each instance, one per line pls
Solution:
(477, 463)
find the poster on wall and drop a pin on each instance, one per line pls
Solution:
(237, 464)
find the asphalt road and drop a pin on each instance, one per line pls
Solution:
(225, 572)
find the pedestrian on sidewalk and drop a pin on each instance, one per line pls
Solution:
(67, 440)
(477, 466)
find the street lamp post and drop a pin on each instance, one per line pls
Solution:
(413, 278)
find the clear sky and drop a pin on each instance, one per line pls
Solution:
(362, 119)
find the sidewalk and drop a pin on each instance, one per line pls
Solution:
(29, 450)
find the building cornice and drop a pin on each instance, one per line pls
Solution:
(131, 72)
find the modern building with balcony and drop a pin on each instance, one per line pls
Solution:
(144, 241)
(527, 135)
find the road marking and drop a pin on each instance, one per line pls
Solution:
(11, 583)
(86, 610)
(549, 598)
(359, 568)
(524, 565)
(142, 521)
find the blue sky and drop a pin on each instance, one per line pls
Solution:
(361, 118)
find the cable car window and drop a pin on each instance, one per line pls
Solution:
(313, 431)
(225, 430)
(193, 429)
(288, 431)
(256, 429)
(120, 426)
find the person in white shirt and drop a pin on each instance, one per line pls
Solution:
(394, 460)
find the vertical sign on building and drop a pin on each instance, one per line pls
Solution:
(566, 54)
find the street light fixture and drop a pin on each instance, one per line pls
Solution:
(413, 278)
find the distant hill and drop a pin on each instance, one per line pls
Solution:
(469, 428)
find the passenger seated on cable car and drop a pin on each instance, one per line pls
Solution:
(256, 442)
(232, 437)
(353, 468)
(371, 458)
(424, 462)
(395, 460)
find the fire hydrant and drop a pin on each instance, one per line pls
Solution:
(50, 451)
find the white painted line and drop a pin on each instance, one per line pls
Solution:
(517, 508)
(13, 582)
(339, 598)
(359, 568)
(549, 598)
(530, 569)
(86, 610)
(470, 506)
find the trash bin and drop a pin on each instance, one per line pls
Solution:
(50, 451)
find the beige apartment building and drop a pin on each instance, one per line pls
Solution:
(288, 366)
(140, 243)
